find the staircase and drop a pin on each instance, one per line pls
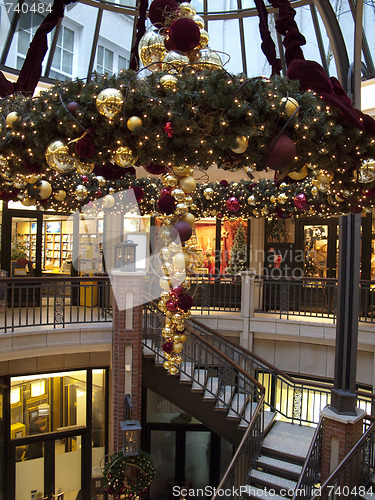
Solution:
(280, 461)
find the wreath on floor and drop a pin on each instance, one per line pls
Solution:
(116, 475)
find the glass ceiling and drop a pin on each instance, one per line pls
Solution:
(98, 36)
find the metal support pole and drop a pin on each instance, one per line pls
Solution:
(343, 393)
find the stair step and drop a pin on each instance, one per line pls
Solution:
(199, 380)
(248, 413)
(288, 441)
(186, 371)
(287, 469)
(237, 405)
(271, 481)
(254, 492)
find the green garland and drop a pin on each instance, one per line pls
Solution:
(205, 115)
(114, 474)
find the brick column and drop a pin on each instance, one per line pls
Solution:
(126, 347)
(340, 434)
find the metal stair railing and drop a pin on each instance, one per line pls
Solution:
(210, 370)
(296, 400)
(233, 483)
(352, 475)
(310, 473)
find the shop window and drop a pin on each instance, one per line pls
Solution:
(280, 230)
(202, 246)
(233, 246)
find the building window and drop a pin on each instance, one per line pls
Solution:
(104, 61)
(123, 63)
(62, 63)
(27, 26)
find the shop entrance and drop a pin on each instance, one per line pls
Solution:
(318, 240)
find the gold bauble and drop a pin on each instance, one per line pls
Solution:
(133, 123)
(177, 347)
(162, 307)
(182, 170)
(166, 365)
(101, 180)
(167, 331)
(282, 198)
(109, 102)
(60, 195)
(164, 283)
(366, 173)
(314, 191)
(199, 20)
(174, 61)
(170, 180)
(85, 168)
(188, 184)
(178, 319)
(108, 201)
(273, 199)
(188, 200)
(324, 177)
(173, 370)
(187, 10)
(289, 106)
(323, 188)
(45, 189)
(164, 295)
(208, 193)
(251, 200)
(183, 338)
(124, 157)
(181, 209)
(298, 175)
(206, 59)
(12, 118)
(204, 39)
(168, 82)
(338, 198)
(180, 328)
(58, 157)
(189, 218)
(28, 202)
(33, 178)
(81, 192)
(151, 49)
(20, 181)
(178, 194)
(242, 144)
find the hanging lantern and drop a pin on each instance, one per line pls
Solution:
(125, 256)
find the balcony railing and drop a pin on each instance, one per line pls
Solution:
(53, 301)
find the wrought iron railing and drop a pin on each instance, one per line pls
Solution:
(212, 293)
(214, 372)
(285, 297)
(235, 477)
(53, 301)
(310, 474)
(352, 475)
(296, 400)
(210, 369)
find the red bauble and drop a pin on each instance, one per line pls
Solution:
(167, 347)
(85, 179)
(85, 147)
(166, 204)
(138, 192)
(300, 201)
(223, 182)
(73, 107)
(282, 152)
(281, 214)
(184, 35)
(166, 190)
(155, 169)
(185, 302)
(171, 306)
(178, 290)
(184, 230)
(160, 10)
(233, 204)
(168, 129)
